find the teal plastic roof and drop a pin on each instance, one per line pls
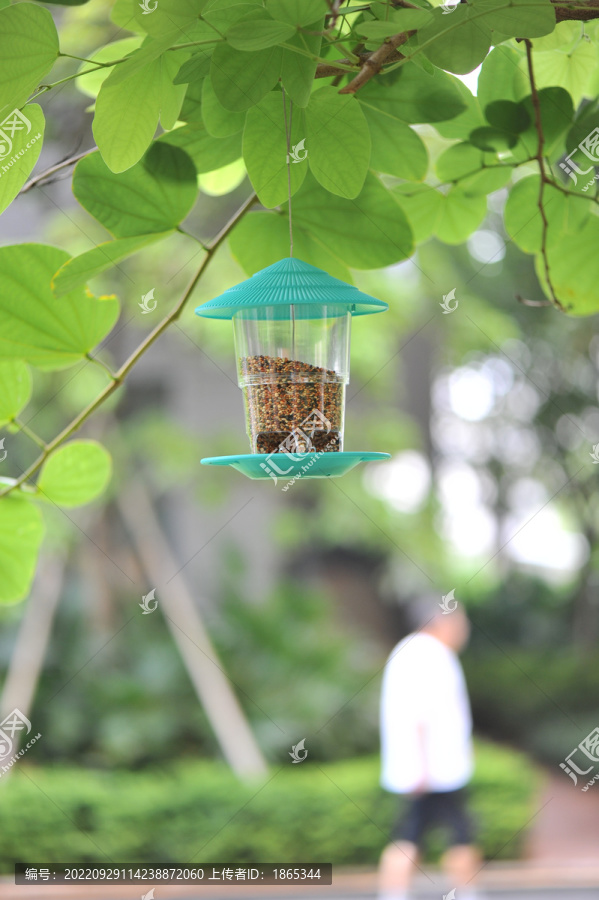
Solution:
(290, 281)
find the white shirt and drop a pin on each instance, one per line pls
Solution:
(426, 724)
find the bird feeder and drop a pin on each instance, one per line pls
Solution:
(292, 326)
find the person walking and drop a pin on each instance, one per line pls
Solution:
(426, 749)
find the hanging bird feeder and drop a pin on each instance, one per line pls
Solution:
(292, 335)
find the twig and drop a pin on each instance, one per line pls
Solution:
(373, 64)
(581, 13)
(525, 302)
(120, 375)
(70, 161)
(543, 175)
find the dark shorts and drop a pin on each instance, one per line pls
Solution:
(446, 809)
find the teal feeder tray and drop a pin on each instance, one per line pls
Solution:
(292, 326)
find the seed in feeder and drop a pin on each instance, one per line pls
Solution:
(297, 408)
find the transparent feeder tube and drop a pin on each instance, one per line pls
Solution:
(293, 366)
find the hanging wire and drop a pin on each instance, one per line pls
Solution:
(288, 139)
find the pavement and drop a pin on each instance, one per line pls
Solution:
(529, 880)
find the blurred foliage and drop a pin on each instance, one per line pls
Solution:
(197, 811)
(131, 702)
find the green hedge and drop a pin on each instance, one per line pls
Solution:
(198, 812)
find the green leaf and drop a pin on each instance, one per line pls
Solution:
(208, 153)
(219, 122)
(171, 95)
(19, 155)
(573, 268)
(15, 388)
(262, 238)
(171, 15)
(522, 218)
(338, 142)
(573, 71)
(452, 217)
(557, 115)
(507, 116)
(471, 118)
(458, 45)
(21, 533)
(422, 206)
(127, 115)
(80, 269)
(140, 59)
(28, 50)
(413, 96)
(196, 68)
(477, 172)
(409, 20)
(516, 18)
(297, 70)
(459, 160)
(34, 325)
(396, 148)
(251, 33)
(368, 232)
(122, 13)
(461, 213)
(191, 111)
(265, 151)
(500, 78)
(75, 474)
(224, 180)
(297, 12)
(221, 14)
(241, 80)
(153, 196)
(91, 83)
(492, 139)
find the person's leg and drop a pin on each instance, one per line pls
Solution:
(462, 861)
(401, 855)
(395, 870)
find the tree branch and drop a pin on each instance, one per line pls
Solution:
(63, 164)
(119, 376)
(374, 62)
(543, 175)
(581, 13)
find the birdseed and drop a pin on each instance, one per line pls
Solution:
(283, 410)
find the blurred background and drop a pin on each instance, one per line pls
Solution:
(166, 737)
